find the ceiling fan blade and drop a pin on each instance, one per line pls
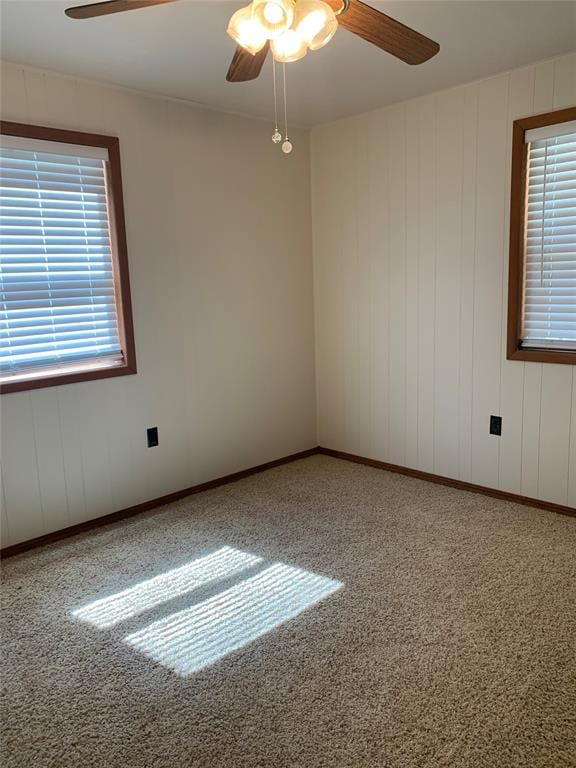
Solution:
(245, 66)
(385, 32)
(110, 6)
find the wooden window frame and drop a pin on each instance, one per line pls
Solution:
(515, 351)
(119, 255)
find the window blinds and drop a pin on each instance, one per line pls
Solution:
(549, 311)
(57, 286)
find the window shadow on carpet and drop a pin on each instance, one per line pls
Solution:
(109, 611)
(188, 640)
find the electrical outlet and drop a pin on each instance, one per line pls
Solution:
(152, 436)
(496, 425)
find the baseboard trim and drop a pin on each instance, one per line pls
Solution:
(123, 514)
(145, 506)
(460, 484)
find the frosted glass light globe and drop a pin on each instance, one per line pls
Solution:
(273, 13)
(245, 30)
(288, 47)
(274, 16)
(287, 147)
(316, 23)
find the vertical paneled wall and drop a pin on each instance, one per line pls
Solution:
(410, 219)
(218, 227)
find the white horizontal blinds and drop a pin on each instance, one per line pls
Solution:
(549, 312)
(57, 289)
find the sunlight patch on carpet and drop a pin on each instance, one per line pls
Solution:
(196, 637)
(148, 594)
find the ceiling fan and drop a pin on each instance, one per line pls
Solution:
(377, 28)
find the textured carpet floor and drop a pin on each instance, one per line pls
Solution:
(451, 643)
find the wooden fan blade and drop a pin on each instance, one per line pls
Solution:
(110, 6)
(386, 32)
(245, 66)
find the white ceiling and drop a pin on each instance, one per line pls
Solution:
(182, 50)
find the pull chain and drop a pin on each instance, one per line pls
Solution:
(276, 135)
(287, 144)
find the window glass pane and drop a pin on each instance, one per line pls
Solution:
(57, 282)
(549, 308)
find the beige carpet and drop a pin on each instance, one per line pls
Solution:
(451, 643)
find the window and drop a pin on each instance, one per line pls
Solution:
(542, 273)
(65, 313)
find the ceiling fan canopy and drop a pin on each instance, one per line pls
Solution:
(291, 27)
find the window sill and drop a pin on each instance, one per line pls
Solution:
(70, 377)
(562, 357)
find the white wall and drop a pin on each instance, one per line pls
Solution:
(218, 227)
(410, 237)
(410, 212)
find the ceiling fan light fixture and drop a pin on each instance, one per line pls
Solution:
(274, 16)
(289, 47)
(246, 30)
(316, 22)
